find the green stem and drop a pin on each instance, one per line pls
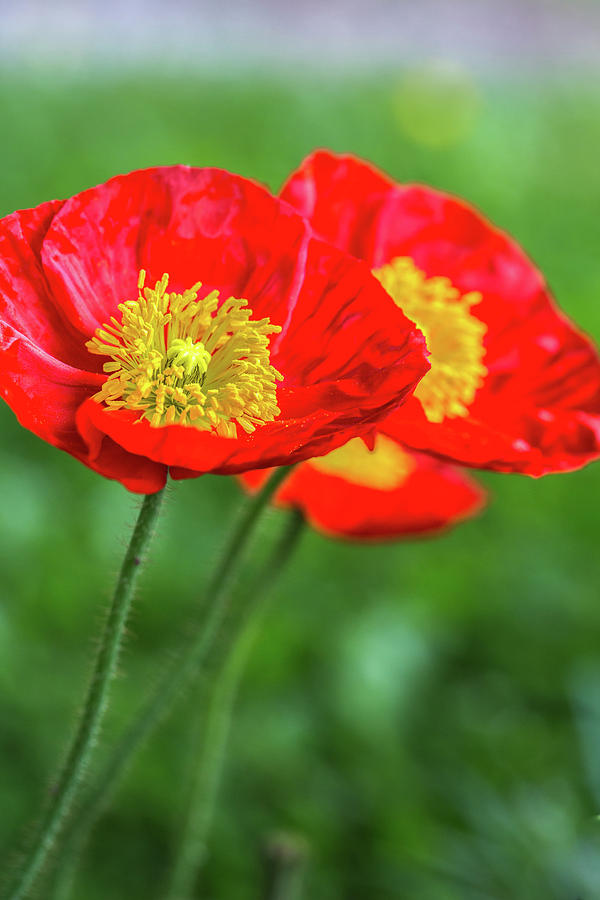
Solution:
(285, 858)
(184, 663)
(71, 779)
(212, 739)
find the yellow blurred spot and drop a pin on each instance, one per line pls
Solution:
(436, 105)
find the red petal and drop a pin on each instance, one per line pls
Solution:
(26, 302)
(538, 410)
(433, 497)
(195, 224)
(45, 394)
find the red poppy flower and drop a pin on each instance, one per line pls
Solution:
(261, 345)
(513, 385)
(380, 493)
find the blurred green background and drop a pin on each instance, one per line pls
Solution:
(425, 715)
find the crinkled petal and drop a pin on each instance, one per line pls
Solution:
(538, 410)
(26, 301)
(195, 224)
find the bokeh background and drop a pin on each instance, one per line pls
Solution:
(423, 716)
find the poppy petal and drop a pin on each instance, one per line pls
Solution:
(431, 498)
(26, 301)
(45, 395)
(538, 407)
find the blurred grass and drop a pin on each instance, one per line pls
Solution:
(424, 714)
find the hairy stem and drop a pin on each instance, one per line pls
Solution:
(65, 794)
(184, 663)
(211, 740)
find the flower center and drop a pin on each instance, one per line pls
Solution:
(184, 361)
(384, 468)
(454, 336)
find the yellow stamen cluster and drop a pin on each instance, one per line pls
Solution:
(384, 468)
(180, 360)
(454, 336)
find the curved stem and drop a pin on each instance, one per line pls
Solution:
(285, 857)
(212, 739)
(95, 705)
(184, 663)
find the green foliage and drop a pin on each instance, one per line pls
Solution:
(425, 715)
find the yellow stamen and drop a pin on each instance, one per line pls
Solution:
(184, 361)
(454, 336)
(384, 468)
